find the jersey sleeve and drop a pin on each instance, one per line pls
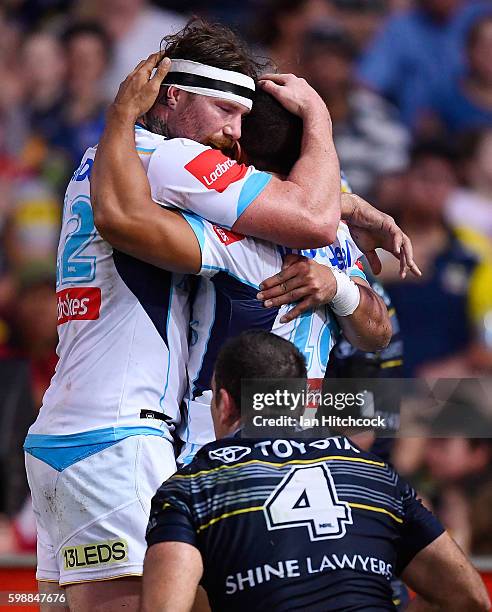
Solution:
(245, 259)
(419, 528)
(193, 177)
(171, 518)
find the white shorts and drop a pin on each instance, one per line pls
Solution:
(91, 517)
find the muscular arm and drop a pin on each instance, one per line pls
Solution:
(302, 211)
(312, 284)
(124, 212)
(369, 327)
(172, 571)
(444, 579)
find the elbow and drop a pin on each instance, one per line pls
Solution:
(109, 226)
(316, 232)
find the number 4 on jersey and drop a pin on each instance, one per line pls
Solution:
(307, 497)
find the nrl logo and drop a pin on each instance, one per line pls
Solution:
(229, 454)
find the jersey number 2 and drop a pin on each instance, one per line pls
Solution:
(307, 497)
(74, 266)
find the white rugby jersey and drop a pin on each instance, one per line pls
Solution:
(188, 175)
(225, 304)
(122, 326)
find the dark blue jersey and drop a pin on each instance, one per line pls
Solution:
(315, 525)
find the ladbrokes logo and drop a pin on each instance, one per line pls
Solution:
(226, 236)
(216, 171)
(78, 304)
(110, 551)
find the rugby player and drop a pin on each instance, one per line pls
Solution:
(315, 525)
(235, 265)
(102, 442)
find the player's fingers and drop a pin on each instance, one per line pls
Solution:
(162, 69)
(279, 79)
(296, 311)
(374, 261)
(403, 265)
(284, 288)
(280, 277)
(408, 250)
(270, 87)
(288, 298)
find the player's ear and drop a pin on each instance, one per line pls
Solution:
(227, 408)
(172, 97)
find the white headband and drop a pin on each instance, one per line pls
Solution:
(205, 80)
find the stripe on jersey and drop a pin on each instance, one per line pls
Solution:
(236, 310)
(150, 285)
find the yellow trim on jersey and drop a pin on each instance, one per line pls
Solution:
(375, 509)
(391, 311)
(227, 515)
(292, 461)
(46, 580)
(259, 508)
(391, 364)
(100, 579)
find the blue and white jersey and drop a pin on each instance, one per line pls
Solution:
(225, 304)
(123, 329)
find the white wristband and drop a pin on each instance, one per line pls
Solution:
(347, 297)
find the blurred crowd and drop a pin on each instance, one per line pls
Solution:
(409, 87)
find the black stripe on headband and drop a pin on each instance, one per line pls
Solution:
(195, 80)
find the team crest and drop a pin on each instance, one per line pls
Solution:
(229, 454)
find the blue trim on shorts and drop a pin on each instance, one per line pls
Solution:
(62, 451)
(251, 189)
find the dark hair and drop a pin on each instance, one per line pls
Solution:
(329, 37)
(271, 135)
(266, 27)
(256, 354)
(90, 28)
(212, 44)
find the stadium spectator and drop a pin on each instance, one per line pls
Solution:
(281, 27)
(449, 305)
(87, 50)
(255, 538)
(465, 101)
(43, 67)
(135, 28)
(362, 18)
(418, 51)
(369, 137)
(471, 204)
(459, 465)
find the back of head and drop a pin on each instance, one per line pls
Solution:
(212, 44)
(256, 355)
(271, 135)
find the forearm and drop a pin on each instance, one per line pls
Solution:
(172, 571)
(317, 171)
(369, 327)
